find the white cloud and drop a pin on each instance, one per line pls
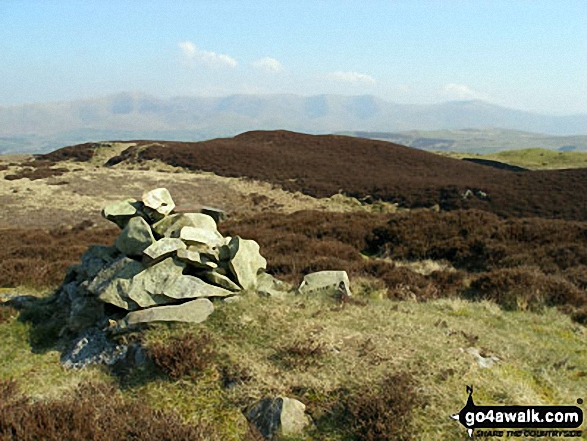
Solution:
(193, 54)
(462, 92)
(268, 64)
(352, 77)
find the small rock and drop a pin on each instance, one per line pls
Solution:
(279, 416)
(93, 347)
(135, 237)
(195, 311)
(484, 362)
(269, 286)
(326, 282)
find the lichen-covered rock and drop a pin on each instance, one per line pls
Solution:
(121, 212)
(159, 200)
(93, 347)
(197, 235)
(112, 283)
(195, 311)
(196, 259)
(147, 287)
(171, 225)
(163, 248)
(245, 261)
(135, 238)
(279, 416)
(190, 287)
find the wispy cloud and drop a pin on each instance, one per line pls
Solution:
(462, 92)
(352, 77)
(268, 64)
(208, 58)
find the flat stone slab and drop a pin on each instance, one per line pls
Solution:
(163, 248)
(135, 238)
(245, 261)
(221, 280)
(197, 235)
(190, 287)
(326, 282)
(195, 311)
(196, 259)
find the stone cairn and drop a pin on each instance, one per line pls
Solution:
(164, 266)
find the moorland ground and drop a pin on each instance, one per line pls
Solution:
(441, 282)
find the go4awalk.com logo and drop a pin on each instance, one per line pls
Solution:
(526, 421)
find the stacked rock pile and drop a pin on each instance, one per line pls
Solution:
(164, 266)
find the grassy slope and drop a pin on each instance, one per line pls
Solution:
(361, 344)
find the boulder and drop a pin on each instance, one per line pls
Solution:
(190, 287)
(112, 283)
(327, 283)
(279, 416)
(245, 261)
(163, 248)
(197, 235)
(171, 225)
(93, 347)
(121, 212)
(135, 237)
(159, 200)
(195, 311)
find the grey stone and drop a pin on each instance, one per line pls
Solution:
(159, 200)
(195, 311)
(327, 283)
(196, 259)
(147, 287)
(279, 416)
(190, 287)
(245, 261)
(94, 259)
(269, 286)
(135, 237)
(170, 226)
(221, 280)
(93, 347)
(163, 248)
(197, 235)
(84, 313)
(215, 213)
(112, 283)
(121, 211)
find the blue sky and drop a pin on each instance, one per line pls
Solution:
(526, 54)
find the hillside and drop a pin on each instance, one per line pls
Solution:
(324, 165)
(481, 141)
(43, 127)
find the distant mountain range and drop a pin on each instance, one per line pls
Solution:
(45, 127)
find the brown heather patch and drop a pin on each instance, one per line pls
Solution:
(324, 165)
(40, 258)
(91, 412)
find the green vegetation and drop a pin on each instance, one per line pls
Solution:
(538, 159)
